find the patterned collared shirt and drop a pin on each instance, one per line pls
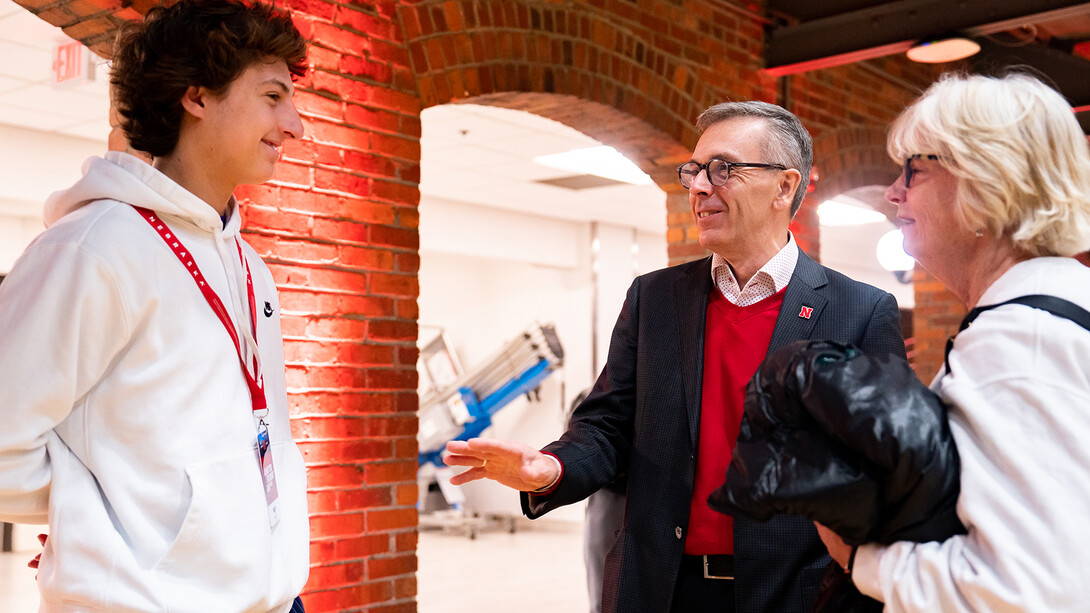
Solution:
(771, 278)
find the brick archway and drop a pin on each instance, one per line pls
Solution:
(624, 76)
(625, 57)
(847, 158)
(851, 157)
(854, 157)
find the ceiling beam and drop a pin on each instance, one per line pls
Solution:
(893, 27)
(1069, 74)
(807, 10)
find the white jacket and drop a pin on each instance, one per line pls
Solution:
(1019, 407)
(126, 420)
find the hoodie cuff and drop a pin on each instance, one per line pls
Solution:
(865, 571)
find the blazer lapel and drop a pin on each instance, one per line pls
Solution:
(803, 304)
(691, 291)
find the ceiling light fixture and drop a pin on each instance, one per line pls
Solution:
(847, 211)
(603, 161)
(891, 255)
(943, 49)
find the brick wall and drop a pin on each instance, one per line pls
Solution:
(338, 224)
(338, 227)
(633, 75)
(936, 316)
(848, 109)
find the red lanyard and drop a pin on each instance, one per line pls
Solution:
(254, 381)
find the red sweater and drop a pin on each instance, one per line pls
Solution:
(735, 342)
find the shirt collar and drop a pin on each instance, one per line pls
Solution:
(769, 279)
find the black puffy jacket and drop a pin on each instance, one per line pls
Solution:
(854, 442)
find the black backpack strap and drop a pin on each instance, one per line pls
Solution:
(1057, 306)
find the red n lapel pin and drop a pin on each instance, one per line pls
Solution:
(806, 312)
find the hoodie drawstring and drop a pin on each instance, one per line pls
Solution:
(235, 271)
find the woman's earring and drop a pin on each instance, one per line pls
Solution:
(980, 233)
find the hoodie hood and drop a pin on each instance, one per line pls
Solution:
(126, 178)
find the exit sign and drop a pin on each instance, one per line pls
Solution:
(71, 64)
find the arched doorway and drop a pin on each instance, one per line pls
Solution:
(506, 241)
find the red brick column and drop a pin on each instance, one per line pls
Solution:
(936, 316)
(338, 227)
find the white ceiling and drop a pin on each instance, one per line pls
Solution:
(484, 155)
(28, 96)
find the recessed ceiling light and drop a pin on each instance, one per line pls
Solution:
(580, 182)
(603, 161)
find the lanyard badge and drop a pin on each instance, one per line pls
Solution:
(268, 475)
(255, 382)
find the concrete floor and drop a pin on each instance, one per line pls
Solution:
(538, 569)
(18, 593)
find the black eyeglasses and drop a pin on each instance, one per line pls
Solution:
(718, 171)
(909, 170)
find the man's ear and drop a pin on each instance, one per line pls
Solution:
(193, 100)
(788, 184)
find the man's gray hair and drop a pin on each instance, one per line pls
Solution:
(788, 142)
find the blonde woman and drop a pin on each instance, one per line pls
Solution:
(994, 193)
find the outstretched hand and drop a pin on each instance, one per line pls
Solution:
(512, 464)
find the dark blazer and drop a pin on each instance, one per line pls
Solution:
(642, 417)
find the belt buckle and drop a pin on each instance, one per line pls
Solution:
(708, 575)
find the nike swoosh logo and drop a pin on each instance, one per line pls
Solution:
(268, 309)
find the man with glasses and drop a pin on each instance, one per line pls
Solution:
(668, 405)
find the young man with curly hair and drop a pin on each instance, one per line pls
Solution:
(144, 405)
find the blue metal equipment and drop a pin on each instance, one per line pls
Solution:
(464, 409)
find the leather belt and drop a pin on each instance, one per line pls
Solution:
(709, 566)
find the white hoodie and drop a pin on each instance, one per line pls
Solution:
(126, 419)
(1018, 394)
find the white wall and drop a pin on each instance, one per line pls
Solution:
(485, 274)
(33, 165)
(16, 232)
(623, 253)
(850, 250)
